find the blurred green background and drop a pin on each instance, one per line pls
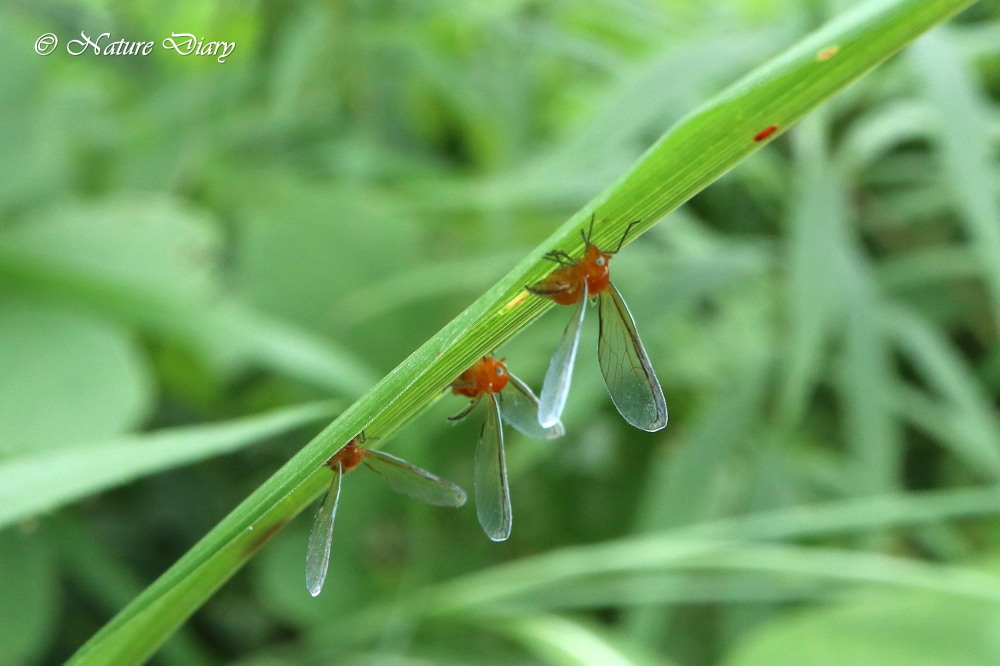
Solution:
(185, 245)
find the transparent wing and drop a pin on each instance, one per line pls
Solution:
(555, 387)
(627, 372)
(318, 552)
(492, 494)
(519, 407)
(412, 481)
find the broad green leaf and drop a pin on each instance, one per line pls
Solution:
(153, 264)
(151, 244)
(303, 271)
(67, 378)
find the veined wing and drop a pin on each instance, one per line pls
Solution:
(627, 372)
(413, 481)
(492, 493)
(519, 408)
(555, 387)
(318, 552)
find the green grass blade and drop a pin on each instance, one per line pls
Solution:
(684, 161)
(558, 640)
(528, 580)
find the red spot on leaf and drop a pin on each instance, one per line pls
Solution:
(766, 133)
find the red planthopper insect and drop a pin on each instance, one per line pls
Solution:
(400, 475)
(627, 372)
(509, 399)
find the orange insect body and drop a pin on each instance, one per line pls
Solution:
(627, 371)
(564, 284)
(507, 399)
(401, 476)
(349, 457)
(487, 375)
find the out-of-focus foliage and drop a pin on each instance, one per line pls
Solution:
(186, 244)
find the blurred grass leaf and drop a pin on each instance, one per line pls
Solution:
(33, 484)
(904, 630)
(490, 592)
(154, 264)
(816, 298)
(959, 415)
(738, 558)
(152, 244)
(963, 139)
(685, 485)
(28, 596)
(560, 640)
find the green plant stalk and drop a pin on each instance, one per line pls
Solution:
(685, 160)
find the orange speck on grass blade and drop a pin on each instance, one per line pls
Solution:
(517, 300)
(827, 53)
(766, 133)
